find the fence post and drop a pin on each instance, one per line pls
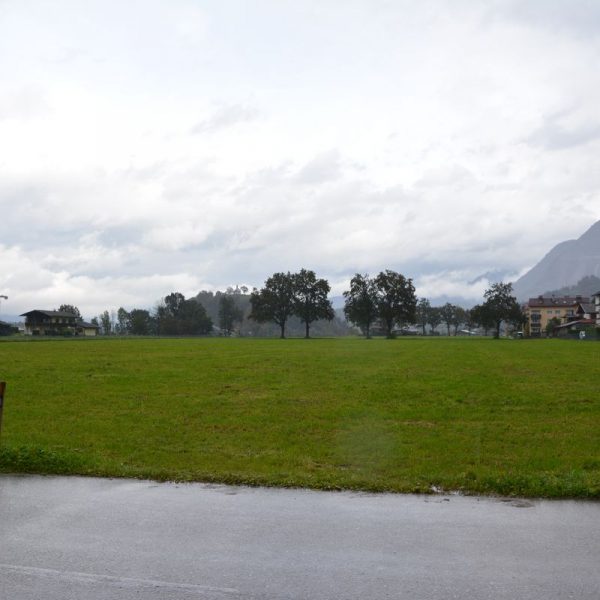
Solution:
(2, 388)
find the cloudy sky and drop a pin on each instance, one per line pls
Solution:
(150, 146)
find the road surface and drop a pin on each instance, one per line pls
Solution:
(65, 538)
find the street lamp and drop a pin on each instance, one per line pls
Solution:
(2, 297)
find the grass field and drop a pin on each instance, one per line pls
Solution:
(480, 415)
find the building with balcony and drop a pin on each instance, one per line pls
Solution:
(564, 309)
(55, 322)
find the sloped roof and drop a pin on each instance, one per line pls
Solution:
(549, 301)
(51, 313)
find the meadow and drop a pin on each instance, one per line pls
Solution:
(509, 417)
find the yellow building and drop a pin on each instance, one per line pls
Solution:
(541, 310)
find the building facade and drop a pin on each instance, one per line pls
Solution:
(541, 310)
(55, 322)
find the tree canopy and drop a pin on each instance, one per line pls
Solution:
(500, 305)
(177, 316)
(275, 301)
(360, 305)
(310, 298)
(229, 313)
(396, 300)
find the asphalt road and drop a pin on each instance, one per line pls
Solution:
(78, 538)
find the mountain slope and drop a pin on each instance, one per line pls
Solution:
(565, 265)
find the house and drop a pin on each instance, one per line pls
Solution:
(7, 328)
(541, 310)
(55, 322)
(596, 300)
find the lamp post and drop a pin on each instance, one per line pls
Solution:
(2, 297)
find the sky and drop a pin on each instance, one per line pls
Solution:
(156, 146)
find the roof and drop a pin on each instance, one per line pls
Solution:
(588, 308)
(578, 322)
(88, 325)
(50, 313)
(542, 301)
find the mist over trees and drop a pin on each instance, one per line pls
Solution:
(388, 299)
(274, 302)
(284, 295)
(298, 304)
(360, 305)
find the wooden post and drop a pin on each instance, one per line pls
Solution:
(2, 388)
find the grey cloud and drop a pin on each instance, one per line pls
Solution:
(451, 175)
(23, 103)
(325, 167)
(578, 19)
(554, 136)
(226, 116)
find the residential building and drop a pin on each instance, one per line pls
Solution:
(55, 322)
(541, 310)
(596, 300)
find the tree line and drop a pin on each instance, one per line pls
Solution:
(382, 304)
(388, 301)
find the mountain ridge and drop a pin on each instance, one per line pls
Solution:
(563, 266)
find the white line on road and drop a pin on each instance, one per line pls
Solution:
(129, 582)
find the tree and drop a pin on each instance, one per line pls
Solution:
(192, 319)
(460, 316)
(275, 301)
(552, 323)
(310, 298)
(69, 308)
(480, 315)
(500, 305)
(140, 322)
(423, 308)
(360, 306)
(447, 315)
(396, 300)
(123, 319)
(178, 316)
(105, 322)
(229, 313)
(434, 318)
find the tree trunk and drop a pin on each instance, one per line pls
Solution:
(497, 332)
(307, 324)
(282, 325)
(389, 325)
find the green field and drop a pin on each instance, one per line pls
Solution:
(480, 415)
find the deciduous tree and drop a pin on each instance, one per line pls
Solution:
(434, 318)
(229, 313)
(310, 298)
(447, 314)
(500, 305)
(396, 299)
(105, 323)
(423, 308)
(69, 308)
(275, 301)
(360, 305)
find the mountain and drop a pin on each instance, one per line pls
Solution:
(565, 265)
(587, 286)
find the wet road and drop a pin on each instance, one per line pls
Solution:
(78, 538)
